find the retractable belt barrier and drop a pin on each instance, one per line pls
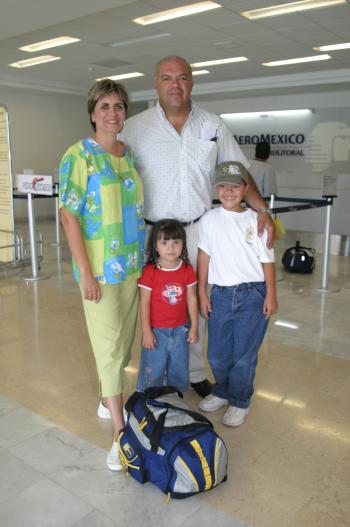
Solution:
(301, 204)
(305, 204)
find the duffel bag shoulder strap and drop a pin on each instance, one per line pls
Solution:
(158, 391)
(157, 431)
(133, 399)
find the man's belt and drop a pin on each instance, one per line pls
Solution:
(184, 223)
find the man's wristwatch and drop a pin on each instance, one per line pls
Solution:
(267, 210)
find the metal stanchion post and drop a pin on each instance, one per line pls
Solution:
(57, 243)
(31, 220)
(326, 250)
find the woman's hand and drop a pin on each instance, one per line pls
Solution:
(91, 287)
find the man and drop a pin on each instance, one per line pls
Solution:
(262, 172)
(177, 147)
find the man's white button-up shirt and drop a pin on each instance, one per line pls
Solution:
(178, 170)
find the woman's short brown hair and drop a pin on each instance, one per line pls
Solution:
(102, 88)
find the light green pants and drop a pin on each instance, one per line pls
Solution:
(111, 325)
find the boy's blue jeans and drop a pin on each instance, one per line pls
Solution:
(168, 361)
(236, 329)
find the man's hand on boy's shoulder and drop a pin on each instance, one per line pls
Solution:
(265, 221)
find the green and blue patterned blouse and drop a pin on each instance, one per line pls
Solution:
(106, 194)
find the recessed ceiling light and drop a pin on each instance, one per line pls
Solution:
(292, 7)
(34, 61)
(200, 72)
(52, 43)
(331, 47)
(299, 60)
(122, 76)
(262, 113)
(137, 40)
(218, 62)
(177, 12)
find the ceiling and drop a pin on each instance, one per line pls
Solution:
(216, 34)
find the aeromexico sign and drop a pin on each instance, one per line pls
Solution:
(281, 144)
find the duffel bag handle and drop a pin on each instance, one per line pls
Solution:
(301, 248)
(160, 423)
(157, 431)
(150, 393)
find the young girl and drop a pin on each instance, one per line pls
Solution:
(167, 293)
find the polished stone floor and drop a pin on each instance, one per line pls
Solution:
(289, 464)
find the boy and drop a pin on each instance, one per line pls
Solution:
(240, 267)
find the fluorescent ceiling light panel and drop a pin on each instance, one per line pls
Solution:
(34, 61)
(263, 113)
(137, 40)
(292, 7)
(177, 12)
(200, 72)
(218, 62)
(122, 76)
(299, 60)
(332, 47)
(52, 43)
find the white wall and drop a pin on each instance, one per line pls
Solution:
(326, 150)
(42, 126)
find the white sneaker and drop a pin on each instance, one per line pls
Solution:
(104, 413)
(234, 416)
(211, 403)
(113, 459)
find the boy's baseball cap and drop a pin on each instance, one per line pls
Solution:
(230, 172)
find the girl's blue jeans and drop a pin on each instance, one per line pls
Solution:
(236, 329)
(168, 362)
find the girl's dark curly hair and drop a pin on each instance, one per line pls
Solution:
(170, 230)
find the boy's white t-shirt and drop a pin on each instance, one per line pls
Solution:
(236, 251)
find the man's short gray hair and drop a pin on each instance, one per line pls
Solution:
(172, 58)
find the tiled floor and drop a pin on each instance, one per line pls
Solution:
(289, 463)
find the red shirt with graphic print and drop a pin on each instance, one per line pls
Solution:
(169, 290)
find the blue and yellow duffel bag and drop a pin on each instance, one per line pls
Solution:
(167, 443)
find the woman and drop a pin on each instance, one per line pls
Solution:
(101, 200)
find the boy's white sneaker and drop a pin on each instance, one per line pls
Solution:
(211, 403)
(113, 459)
(235, 416)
